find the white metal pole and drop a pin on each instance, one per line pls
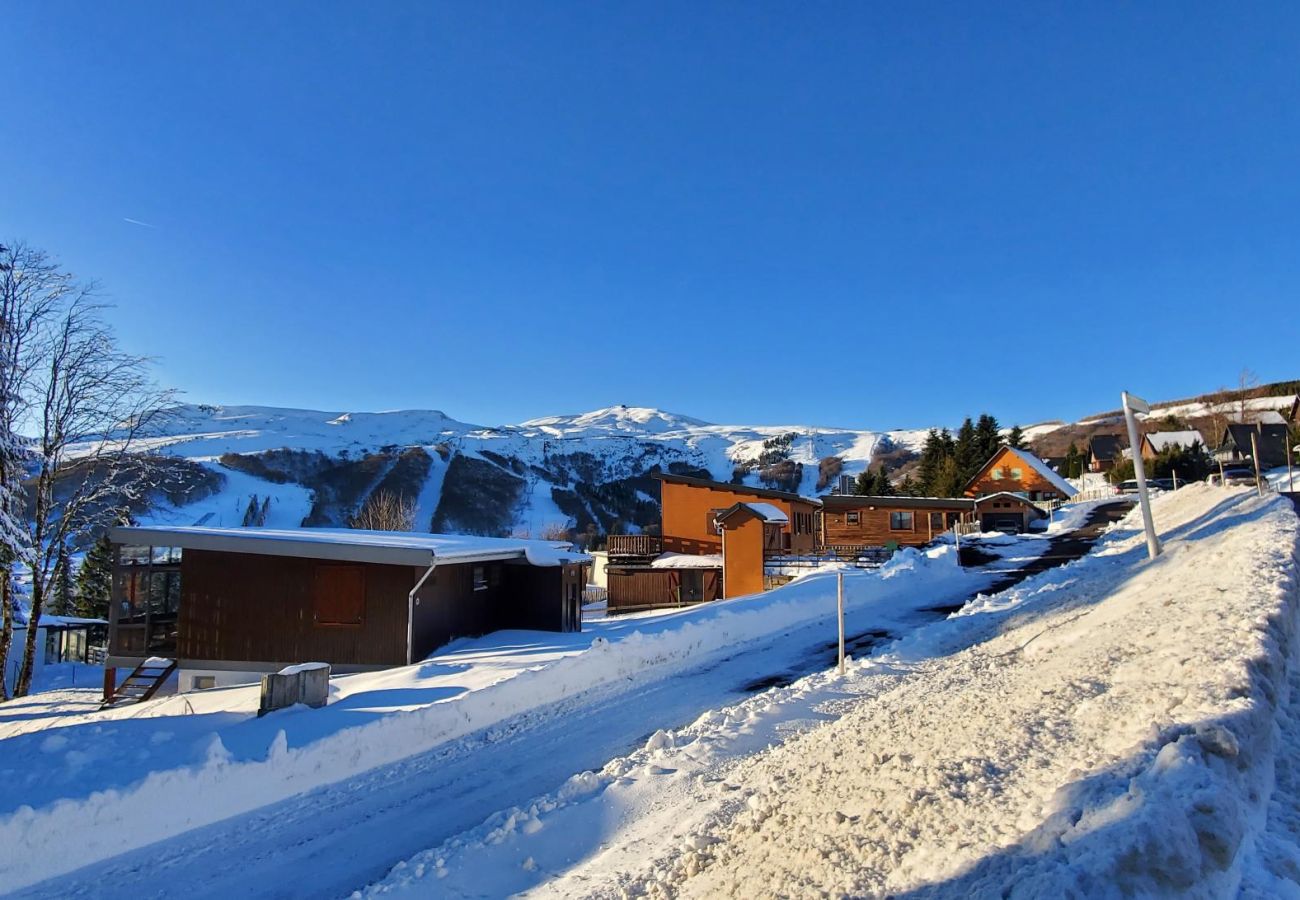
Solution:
(1139, 471)
(1254, 453)
(1290, 483)
(839, 604)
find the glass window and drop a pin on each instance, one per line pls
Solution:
(853, 518)
(900, 521)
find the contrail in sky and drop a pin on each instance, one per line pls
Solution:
(138, 222)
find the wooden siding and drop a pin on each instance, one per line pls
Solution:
(1008, 472)
(872, 529)
(244, 607)
(688, 508)
(632, 589)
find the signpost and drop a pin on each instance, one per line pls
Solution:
(1134, 405)
(839, 604)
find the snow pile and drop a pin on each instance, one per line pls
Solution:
(1102, 729)
(214, 774)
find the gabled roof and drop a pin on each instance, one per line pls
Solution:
(737, 488)
(1162, 440)
(1105, 446)
(1239, 435)
(1052, 478)
(397, 548)
(765, 512)
(1008, 495)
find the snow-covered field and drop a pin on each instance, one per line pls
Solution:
(1108, 727)
(1104, 729)
(144, 773)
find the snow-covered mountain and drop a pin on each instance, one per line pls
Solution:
(584, 472)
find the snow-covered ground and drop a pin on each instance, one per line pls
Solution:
(147, 772)
(1103, 729)
(1106, 727)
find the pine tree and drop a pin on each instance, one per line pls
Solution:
(1016, 438)
(967, 453)
(936, 448)
(988, 438)
(62, 594)
(884, 487)
(863, 484)
(95, 581)
(1072, 467)
(950, 480)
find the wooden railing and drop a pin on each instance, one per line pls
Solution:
(635, 545)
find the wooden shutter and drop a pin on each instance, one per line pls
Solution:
(338, 595)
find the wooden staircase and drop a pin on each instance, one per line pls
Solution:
(143, 682)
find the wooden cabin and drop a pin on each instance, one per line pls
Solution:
(1157, 441)
(1104, 451)
(227, 604)
(850, 522)
(1018, 472)
(1270, 439)
(691, 506)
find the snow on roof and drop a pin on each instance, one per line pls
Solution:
(1162, 440)
(768, 513)
(1046, 472)
(356, 545)
(49, 621)
(687, 561)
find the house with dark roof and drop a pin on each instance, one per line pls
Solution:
(1270, 439)
(1104, 451)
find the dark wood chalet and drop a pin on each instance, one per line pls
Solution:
(226, 604)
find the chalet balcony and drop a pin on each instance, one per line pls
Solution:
(636, 545)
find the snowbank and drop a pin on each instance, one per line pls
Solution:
(316, 748)
(1103, 729)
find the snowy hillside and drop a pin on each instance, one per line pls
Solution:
(583, 472)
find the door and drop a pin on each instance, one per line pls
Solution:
(692, 588)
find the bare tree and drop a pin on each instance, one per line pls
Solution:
(1248, 389)
(86, 403)
(31, 290)
(385, 511)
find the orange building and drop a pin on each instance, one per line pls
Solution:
(749, 532)
(1015, 471)
(691, 507)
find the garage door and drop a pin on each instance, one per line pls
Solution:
(1002, 522)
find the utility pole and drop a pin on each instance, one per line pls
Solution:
(1133, 405)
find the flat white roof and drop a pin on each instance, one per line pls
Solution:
(399, 548)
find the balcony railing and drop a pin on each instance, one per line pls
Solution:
(635, 545)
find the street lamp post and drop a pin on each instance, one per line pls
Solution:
(1134, 405)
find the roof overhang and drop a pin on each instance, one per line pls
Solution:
(306, 546)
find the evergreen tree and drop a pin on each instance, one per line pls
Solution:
(950, 480)
(1016, 438)
(95, 581)
(864, 483)
(988, 438)
(909, 488)
(62, 595)
(968, 455)
(884, 487)
(1072, 467)
(932, 454)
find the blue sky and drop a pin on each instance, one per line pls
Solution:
(873, 215)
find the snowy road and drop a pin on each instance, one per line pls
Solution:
(340, 838)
